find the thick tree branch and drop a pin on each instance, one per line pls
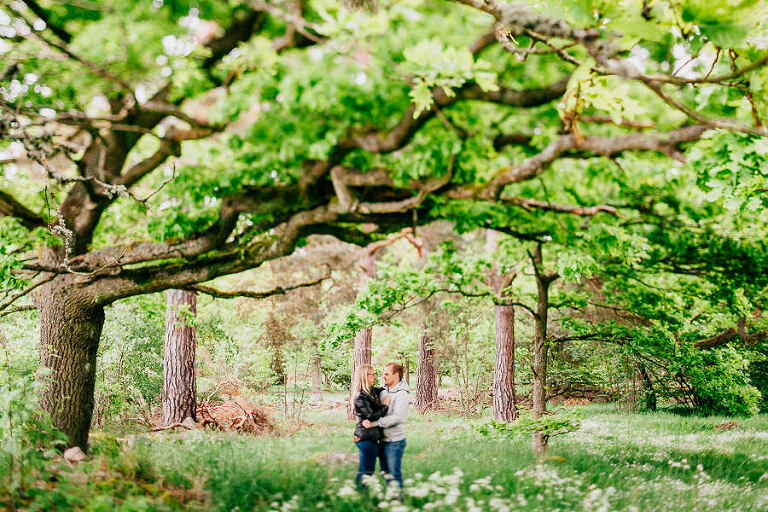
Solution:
(10, 207)
(161, 276)
(730, 335)
(665, 143)
(29, 307)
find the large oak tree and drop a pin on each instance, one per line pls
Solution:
(175, 143)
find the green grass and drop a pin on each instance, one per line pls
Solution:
(644, 462)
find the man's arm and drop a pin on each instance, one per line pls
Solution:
(398, 412)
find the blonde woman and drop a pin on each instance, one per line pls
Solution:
(368, 406)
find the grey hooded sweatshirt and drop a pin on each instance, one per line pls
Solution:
(393, 423)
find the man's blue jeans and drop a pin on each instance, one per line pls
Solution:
(393, 455)
(369, 452)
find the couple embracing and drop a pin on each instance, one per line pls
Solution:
(381, 414)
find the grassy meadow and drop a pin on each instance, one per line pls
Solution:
(615, 462)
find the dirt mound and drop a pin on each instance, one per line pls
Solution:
(238, 414)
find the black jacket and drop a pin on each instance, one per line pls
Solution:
(369, 407)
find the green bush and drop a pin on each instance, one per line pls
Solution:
(720, 381)
(758, 373)
(27, 438)
(129, 375)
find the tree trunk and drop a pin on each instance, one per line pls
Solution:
(361, 353)
(70, 328)
(316, 374)
(407, 371)
(540, 347)
(426, 373)
(648, 391)
(179, 388)
(504, 397)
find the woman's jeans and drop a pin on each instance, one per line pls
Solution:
(393, 456)
(369, 452)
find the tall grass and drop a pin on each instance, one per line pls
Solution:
(651, 461)
(658, 461)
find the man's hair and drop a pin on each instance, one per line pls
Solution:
(397, 368)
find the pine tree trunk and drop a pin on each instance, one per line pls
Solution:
(504, 397)
(70, 328)
(361, 353)
(179, 388)
(426, 373)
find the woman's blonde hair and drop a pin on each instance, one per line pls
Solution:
(360, 380)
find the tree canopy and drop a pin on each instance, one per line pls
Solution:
(155, 145)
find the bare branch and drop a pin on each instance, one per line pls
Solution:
(299, 23)
(280, 290)
(584, 211)
(639, 125)
(21, 293)
(707, 79)
(713, 123)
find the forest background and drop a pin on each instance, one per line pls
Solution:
(520, 201)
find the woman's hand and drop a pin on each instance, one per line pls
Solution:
(387, 400)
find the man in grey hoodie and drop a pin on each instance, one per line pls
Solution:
(393, 424)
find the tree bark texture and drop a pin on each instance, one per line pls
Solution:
(179, 387)
(70, 328)
(503, 390)
(361, 355)
(504, 397)
(426, 373)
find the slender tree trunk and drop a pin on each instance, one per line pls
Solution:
(361, 353)
(540, 347)
(70, 328)
(426, 373)
(648, 391)
(316, 374)
(407, 371)
(179, 388)
(504, 396)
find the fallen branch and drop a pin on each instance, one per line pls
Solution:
(169, 427)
